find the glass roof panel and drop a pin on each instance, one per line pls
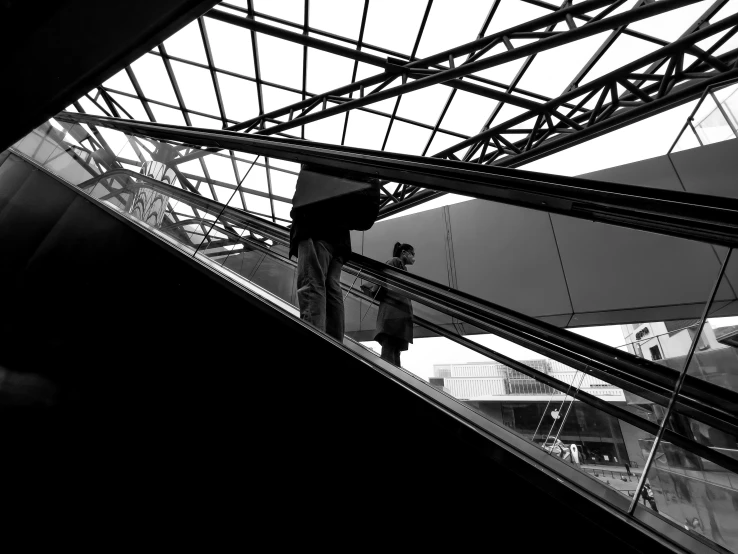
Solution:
(503, 73)
(730, 8)
(451, 24)
(365, 70)
(291, 10)
(206, 122)
(441, 141)
(283, 184)
(731, 44)
(514, 12)
(280, 61)
(257, 178)
(275, 98)
(424, 105)
(394, 25)
(282, 164)
(623, 51)
(327, 71)
(407, 139)
(152, 76)
(187, 43)
(205, 190)
(121, 82)
(508, 111)
(240, 97)
(220, 168)
(243, 169)
(282, 209)
(467, 113)
(547, 76)
(167, 115)
(192, 167)
(196, 87)
(671, 25)
(89, 107)
(387, 105)
(327, 130)
(257, 204)
(340, 17)
(222, 194)
(231, 47)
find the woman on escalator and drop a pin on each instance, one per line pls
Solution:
(395, 317)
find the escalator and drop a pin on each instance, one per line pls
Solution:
(165, 323)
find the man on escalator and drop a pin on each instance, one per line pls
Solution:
(327, 205)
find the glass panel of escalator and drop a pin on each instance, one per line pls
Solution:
(693, 493)
(62, 148)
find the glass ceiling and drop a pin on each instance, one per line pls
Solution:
(245, 59)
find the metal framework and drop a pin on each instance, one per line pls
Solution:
(522, 124)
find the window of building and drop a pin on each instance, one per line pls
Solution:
(655, 353)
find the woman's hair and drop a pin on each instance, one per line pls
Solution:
(399, 247)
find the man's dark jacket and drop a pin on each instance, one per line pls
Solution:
(331, 220)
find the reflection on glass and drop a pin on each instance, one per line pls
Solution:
(693, 493)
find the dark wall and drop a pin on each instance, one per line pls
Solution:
(56, 51)
(177, 392)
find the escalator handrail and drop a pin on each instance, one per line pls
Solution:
(681, 214)
(701, 400)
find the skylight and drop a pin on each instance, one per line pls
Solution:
(245, 59)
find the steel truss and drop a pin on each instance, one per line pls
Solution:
(653, 83)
